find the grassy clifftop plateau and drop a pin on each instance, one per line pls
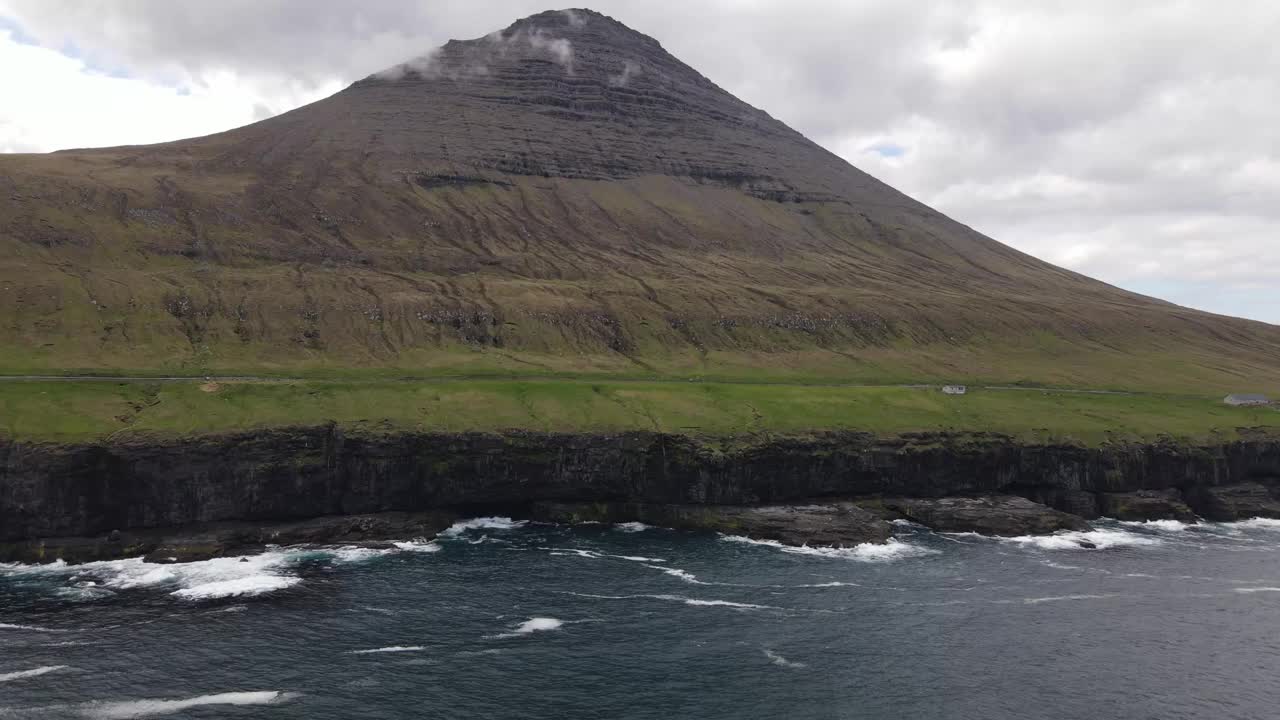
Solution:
(72, 411)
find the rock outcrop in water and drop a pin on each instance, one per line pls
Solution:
(1006, 515)
(210, 540)
(1151, 505)
(49, 491)
(831, 524)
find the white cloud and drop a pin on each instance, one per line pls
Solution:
(57, 102)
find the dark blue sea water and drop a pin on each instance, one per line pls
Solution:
(507, 621)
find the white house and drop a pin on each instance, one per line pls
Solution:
(1246, 400)
(955, 389)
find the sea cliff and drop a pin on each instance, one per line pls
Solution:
(50, 490)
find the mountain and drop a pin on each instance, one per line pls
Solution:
(560, 196)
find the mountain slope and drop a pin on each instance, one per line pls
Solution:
(562, 196)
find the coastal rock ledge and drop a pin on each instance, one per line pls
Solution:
(836, 488)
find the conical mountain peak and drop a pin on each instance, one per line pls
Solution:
(575, 94)
(569, 194)
(577, 43)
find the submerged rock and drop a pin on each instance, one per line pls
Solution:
(1238, 502)
(1005, 515)
(836, 524)
(1146, 505)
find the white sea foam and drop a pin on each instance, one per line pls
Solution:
(1064, 598)
(694, 602)
(483, 523)
(1071, 540)
(1257, 524)
(84, 592)
(239, 587)
(697, 602)
(28, 628)
(593, 555)
(236, 576)
(36, 672)
(421, 545)
(632, 527)
(1257, 590)
(130, 709)
(892, 550)
(562, 552)
(539, 624)
(533, 625)
(833, 584)
(391, 649)
(780, 661)
(245, 576)
(353, 554)
(207, 578)
(1162, 525)
(680, 574)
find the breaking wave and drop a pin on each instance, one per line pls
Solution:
(533, 625)
(694, 602)
(36, 672)
(892, 550)
(391, 649)
(1258, 524)
(780, 661)
(129, 709)
(632, 527)
(28, 628)
(483, 523)
(1081, 539)
(240, 587)
(1162, 525)
(593, 555)
(224, 577)
(832, 584)
(1057, 598)
(680, 574)
(421, 545)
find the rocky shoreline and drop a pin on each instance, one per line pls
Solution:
(191, 498)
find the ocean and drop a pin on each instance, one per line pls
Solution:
(503, 619)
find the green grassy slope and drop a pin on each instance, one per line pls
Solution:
(86, 286)
(79, 410)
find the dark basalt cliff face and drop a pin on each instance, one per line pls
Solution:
(69, 490)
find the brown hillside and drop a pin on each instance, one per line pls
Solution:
(561, 196)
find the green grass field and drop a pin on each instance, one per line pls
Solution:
(82, 410)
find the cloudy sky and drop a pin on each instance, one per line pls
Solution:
(1135, 141)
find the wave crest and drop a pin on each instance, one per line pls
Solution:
(892, 550)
